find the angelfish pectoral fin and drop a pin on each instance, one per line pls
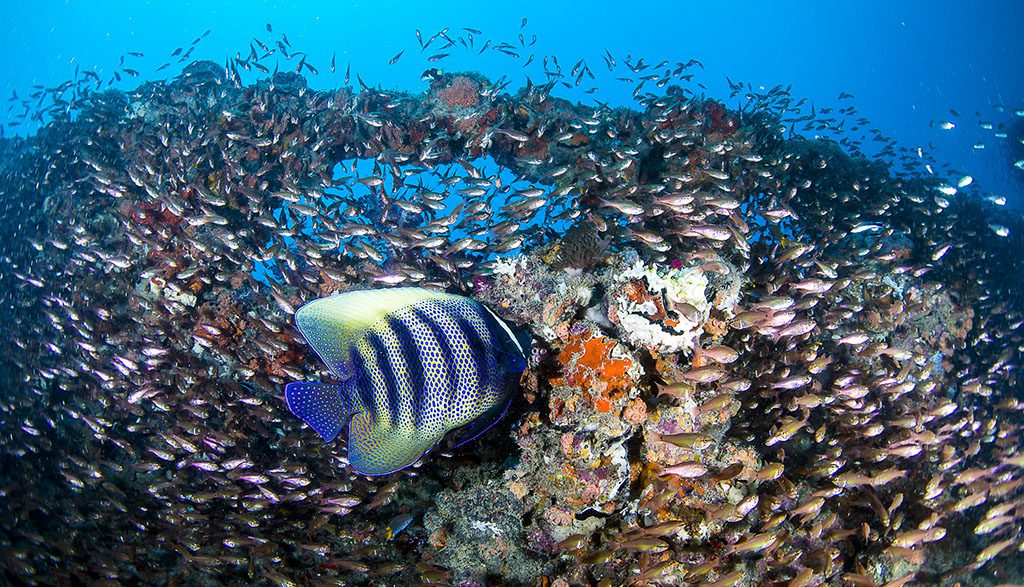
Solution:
(320, 405)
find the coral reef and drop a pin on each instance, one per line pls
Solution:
(581, 248)
(478, 534)
(756, 360)
(663, 311)
(460, 91)
(531, 291)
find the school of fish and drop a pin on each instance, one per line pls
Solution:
(865, 380)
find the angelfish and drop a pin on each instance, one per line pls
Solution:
(413, 365)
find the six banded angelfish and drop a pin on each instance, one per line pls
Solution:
(414, 364)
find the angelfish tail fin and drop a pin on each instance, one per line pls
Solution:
(323, 406)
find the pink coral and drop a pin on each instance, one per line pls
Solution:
(558, 517)
(567, 443)
(635, 412)
(462, 91)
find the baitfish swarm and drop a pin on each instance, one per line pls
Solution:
(757, 357)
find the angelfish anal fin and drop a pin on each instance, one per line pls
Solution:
(481, 424)
(376, 449)
(323, 406)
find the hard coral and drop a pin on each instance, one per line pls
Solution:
(660, 309)
(530, 291)
(461, 91)
(581, 248)
(561, 475)
(478, 533)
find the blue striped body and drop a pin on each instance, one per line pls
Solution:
(415, 364)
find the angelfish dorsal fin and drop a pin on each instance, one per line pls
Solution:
(334, 324)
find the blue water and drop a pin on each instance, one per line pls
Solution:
(906, 63)
(265, 271)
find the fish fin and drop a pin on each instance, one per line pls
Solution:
(512, 344)
(512, 362)
(481, 424)
(323, 406)
(334, 324)
(524, 340)
(374, 449)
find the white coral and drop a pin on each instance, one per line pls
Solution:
(489, 527)
(508, 265)
(674, 287)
